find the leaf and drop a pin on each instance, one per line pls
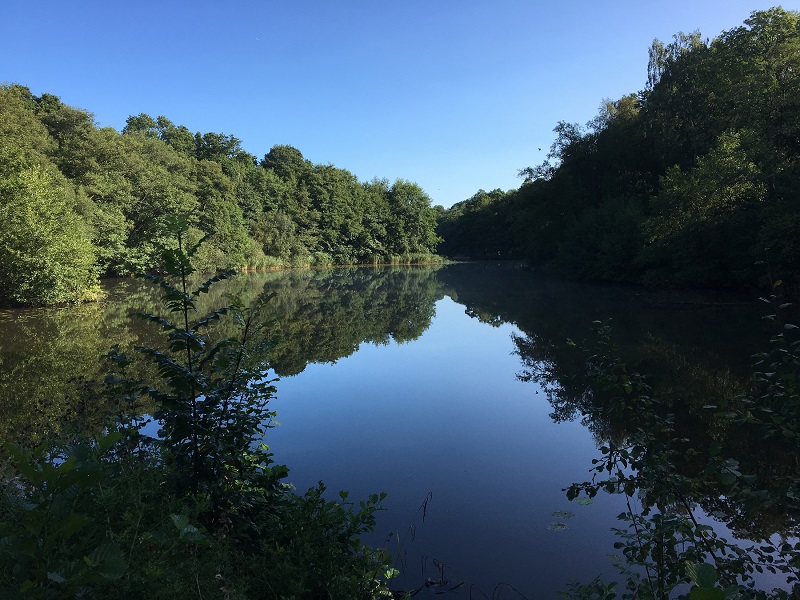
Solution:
(112, 568)
(188, 532)
(106, 561)
(206, 285)
(180, 521)
(703, 574)
(26, 464)
(70, 524)
(105, 442)
(584, 501)
(563, 514)
(557, 526)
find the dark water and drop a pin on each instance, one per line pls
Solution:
(412, 381)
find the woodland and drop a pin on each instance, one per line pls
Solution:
(80, 202)
(691, 182)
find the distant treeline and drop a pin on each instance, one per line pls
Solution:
(78, 202)
(694, 181)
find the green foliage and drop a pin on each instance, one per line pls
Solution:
(710, 211)
(664, 545)
(197, 511)
(683, 184)
(319, 553)
(46, 256)
(79, 201)
(600, 244)
(479, 218)
(45, 253)
(596, 590)
(43, 548)
(215, 402)
(327, 216)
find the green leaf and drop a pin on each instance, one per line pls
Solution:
(26, 464)
(112, 568)
(105, 442)
(188, 532)
(70, 524)
(703, 574)
(106, 561)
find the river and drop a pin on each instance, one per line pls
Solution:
(447, 387)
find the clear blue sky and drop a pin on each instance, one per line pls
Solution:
(456, 95)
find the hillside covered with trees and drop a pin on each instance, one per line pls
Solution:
(79, 202)
(692, 182)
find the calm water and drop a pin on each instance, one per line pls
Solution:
(407, 381)
(444, 418)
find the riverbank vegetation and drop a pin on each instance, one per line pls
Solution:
(687, 183)
(81, 202)
(691, 182)
(195, 507)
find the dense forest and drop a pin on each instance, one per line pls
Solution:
(78, 202)
(692, 182)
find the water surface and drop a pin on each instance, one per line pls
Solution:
(413, 381)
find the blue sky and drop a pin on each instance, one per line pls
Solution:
(455, 95)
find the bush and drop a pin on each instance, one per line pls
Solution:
(199, 511)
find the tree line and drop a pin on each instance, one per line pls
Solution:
(691, 182)
(79, 202)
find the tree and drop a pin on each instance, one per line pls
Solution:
(710, 211)
(179, 137)
(221, 218)
(286, 161)
(46, 256)
(141, 123)
(684, 183)
(412, 226)
(663, 58)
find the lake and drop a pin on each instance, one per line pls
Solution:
(447, 387)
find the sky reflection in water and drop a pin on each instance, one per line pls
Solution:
(445, 415)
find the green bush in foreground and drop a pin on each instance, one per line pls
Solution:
(198, 511)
